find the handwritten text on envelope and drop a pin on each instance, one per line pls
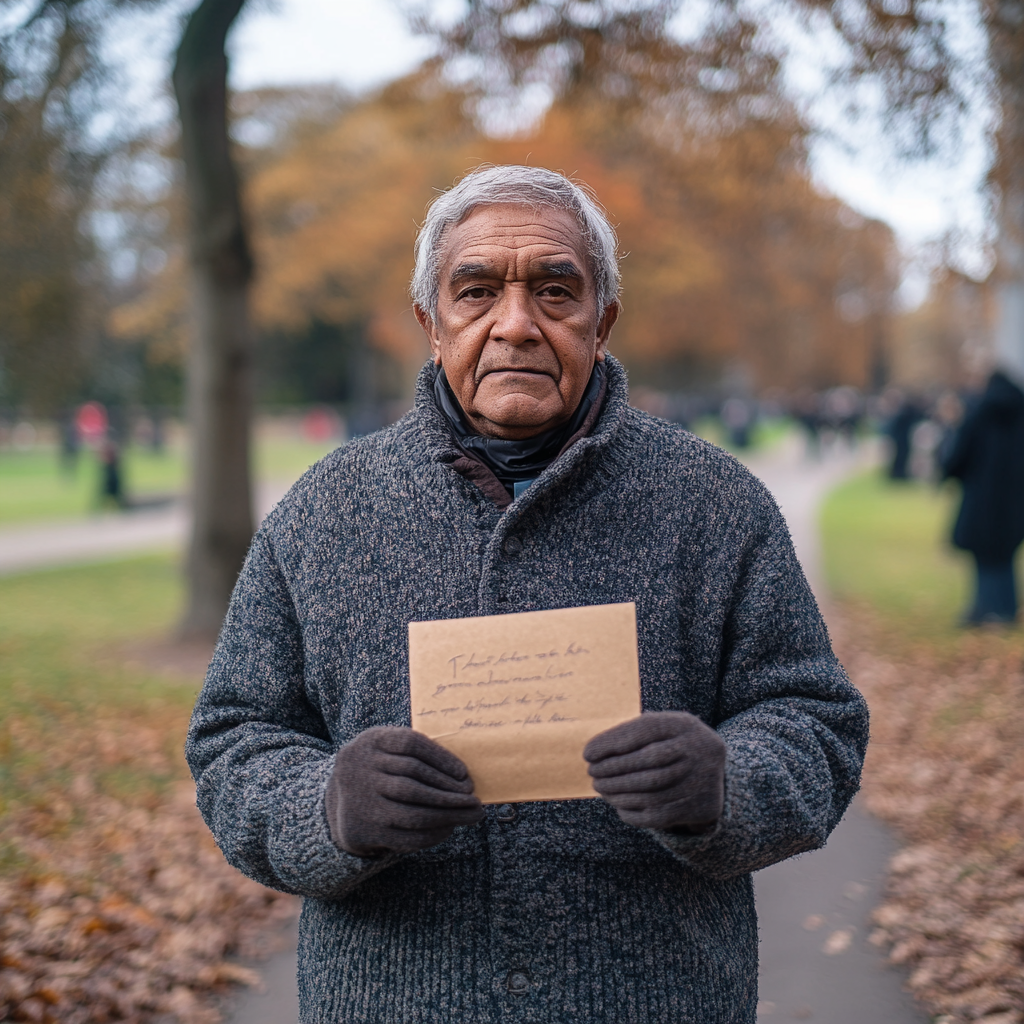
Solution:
(517, 697)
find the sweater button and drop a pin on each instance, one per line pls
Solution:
(518, 983)
(513, 545)
(506, 814)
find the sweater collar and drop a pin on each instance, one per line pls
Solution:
(585, 468)
(514, 461)
(442, 447)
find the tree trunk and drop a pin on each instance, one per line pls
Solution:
(1009, 289)
(220, 360)
(1007, 49)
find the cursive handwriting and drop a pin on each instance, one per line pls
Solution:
(537, 697)
(467, 662)
(506, 689)
(480, 723)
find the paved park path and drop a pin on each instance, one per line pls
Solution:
(106, 535)
(814, 910)
(816, 962)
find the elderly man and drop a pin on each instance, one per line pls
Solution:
(523, 481)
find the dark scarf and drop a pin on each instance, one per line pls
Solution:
(513, 461)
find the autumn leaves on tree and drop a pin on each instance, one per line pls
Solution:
(731, 254)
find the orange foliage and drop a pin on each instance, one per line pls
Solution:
(733, 255)
(335, 215)
(732, 258)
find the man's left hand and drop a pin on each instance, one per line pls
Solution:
(663, 770)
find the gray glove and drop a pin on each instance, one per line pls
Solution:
(394, 790)
(663, 770)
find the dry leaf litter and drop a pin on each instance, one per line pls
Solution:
(945, 768)
(124, 909)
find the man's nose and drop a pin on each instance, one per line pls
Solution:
(515, 317)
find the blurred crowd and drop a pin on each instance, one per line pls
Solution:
(974, 435)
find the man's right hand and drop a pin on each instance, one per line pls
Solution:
(395, 790)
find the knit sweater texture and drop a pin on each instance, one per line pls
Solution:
(544, 913)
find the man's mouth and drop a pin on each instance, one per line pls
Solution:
(518, 369)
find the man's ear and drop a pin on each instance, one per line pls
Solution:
(427, 323)
(604, 330)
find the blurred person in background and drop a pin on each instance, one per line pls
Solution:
(806, 410)
(523, 481)
(843, 409)
(902, 414)
(111, 480)
(70, 443)
(948, 414)
(987, 457)
(738, 416)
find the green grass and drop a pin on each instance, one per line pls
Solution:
(91, 605)
(34, 486)
(887, 545)
(765, 434)
(76, 702)
(287, 459)
(72, 703)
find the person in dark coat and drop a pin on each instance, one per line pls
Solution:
(900, 428)
(987, 457)
(111, 486)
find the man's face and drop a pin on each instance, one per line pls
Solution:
(518, 329)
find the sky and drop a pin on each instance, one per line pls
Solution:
(361, 43)
(364, 43)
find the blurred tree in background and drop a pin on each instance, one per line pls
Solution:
(737, 265)
(221, 350)
(68, 173)
(908, 53)
(740, 275)
(50, 84)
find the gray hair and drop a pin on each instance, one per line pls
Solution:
(521, 186)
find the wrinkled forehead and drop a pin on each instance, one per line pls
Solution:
(515, 225)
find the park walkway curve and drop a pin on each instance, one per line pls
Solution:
(814, 910)
(105, 535)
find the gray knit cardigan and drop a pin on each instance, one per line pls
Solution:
(544, 912)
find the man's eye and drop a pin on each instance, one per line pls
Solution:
(555, 291)
(475, 293)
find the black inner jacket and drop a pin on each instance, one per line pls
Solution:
(515, 461)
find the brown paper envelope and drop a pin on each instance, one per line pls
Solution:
(517, 697)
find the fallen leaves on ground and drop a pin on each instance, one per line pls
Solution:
(122, 908)
(946, 769)
(118, 907)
